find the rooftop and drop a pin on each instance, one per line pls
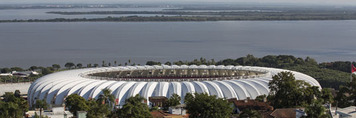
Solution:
(175, 73)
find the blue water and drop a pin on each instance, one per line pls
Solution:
(25, 14)
(43, 44)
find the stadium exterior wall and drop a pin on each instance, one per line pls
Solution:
(55, 87)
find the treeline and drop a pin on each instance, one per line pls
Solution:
(329, 74)
(12, 105)
(16, 79)
(197, 105)
(252, 17)
(262, 14)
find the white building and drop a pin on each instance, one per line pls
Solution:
(226, 82)
(348, 112)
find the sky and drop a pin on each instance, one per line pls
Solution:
(329, 2)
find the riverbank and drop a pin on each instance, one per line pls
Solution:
(188, 18)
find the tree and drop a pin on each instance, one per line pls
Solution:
(261, 98)
(79, 65)
(9, 110)
(89, 65)
(12, 106)
(69, 65)
(96, 65)
(316, 110)
(248, 113)
(310, 61)
(17, 94)
(151, 63)
(326, 96)
(188, 97)
(174, 100)
(56, 66)
(107, 98)
(5, 70)
(103, 64)
(41, 104)
(101, 108)
(341, 98)
(76, 103)
(347, 95)
(97, 109)
(168, 63)
(204, 106)
(286, 92)
(33, 68)
(134, 108)
(46, 71)
(352, 91)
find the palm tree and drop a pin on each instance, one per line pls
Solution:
(107, 98)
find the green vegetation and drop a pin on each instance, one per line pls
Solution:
(246, 113)
(287, 92)
(76, 103)
(201, 16)
(40, 104)
(316, 110)
(100, 108)
(174, 100)
(103, 106)
(347, 94)
(328, 74)
(204, 106)
(134, 108)
(13, 106)
(178, 15)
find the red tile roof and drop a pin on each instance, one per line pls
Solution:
(251, 104)
(284, 113)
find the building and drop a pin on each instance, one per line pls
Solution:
(288, 113)
(178, 110)
(56, 112)
(20, 73)
(157, 101)
(348, 112)
(227, 82)
(240, 105)
(161, 114)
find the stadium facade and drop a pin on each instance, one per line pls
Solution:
(227, 82)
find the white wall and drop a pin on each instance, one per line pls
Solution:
(11, 87)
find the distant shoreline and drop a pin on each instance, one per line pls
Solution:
(184, 19)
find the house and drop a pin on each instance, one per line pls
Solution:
(288, 113)
(56, 112)
(5, 74)
(248, 103)
(24, 73)
(157, 101)
(178, 110)
(161, 114)
(348, 112)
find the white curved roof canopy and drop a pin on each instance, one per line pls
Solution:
(55, 87)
